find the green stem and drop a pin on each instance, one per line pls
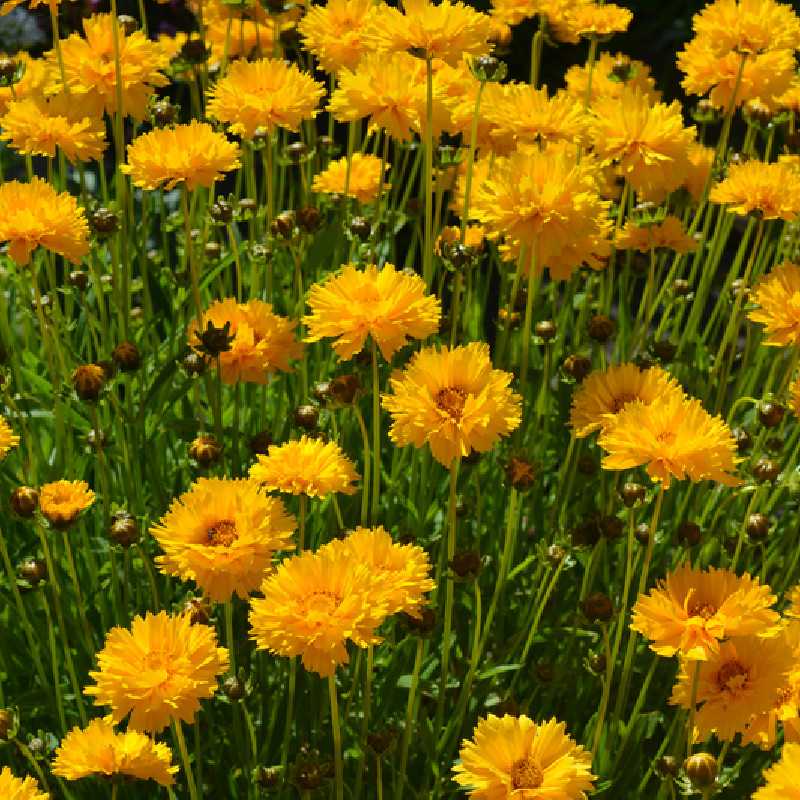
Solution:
(177, 730)
(337, 737)
(376, 435)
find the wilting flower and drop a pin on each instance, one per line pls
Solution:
(515, 757)
(777, 297)
(268, 93)
(34, 214)
(263, 342)
(313, 604)
(401, 571)
(157, 671)
(602, 395)
(452, 400)
(195, 154)
(781, 777)
(8, 439)
(693, 610)
(99, 750)
(770, 190)
(735, 683)
(334, 33)
(305, 466)
(667, 234)
(634, 75)
(387, 304)
(222, 534)
(13, 788)
(672, 437)
(61, 502)
(363, 182)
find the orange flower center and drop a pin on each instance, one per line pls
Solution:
(222, 533)
(619, 402)
(732, 676)
(322, 604)
(452, 402)
(666, 437)
(526, 774)
(704, 610)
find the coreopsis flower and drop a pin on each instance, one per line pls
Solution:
(8, 439)
(90, 68)
(781, 777)
(313, 604)
(777, 297)
(34, 214)
(735, 683)
(100, 750)
(694, 610)
(363, 183)
(601, 20)
(648, 141)
(770, 190)
(402, 571)
(194, 154)
(667, 234)
(386, 304)
(13, 788)
(444, 30)
(157, 671)
(515, 757)
(547, 202)
(223, 534)
(36, 126)
(334, 32)
(62, 502)
(512, 12)
(611, 76)
(37, 76)
(268, 93)
(790, 99)
(305, 466)
(700, 161)
(603, 394)
(452, 400)
(672, 437)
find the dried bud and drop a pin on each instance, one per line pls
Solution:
(422, 625)
(123, 529)
(770, 414)
(8, 69)
(597, 663)
(577, 367)
(194, 51)
(234, 688)
(321, 391)
(743, 439)
(765, 469)
(665, 349)
(88, 381)
(306, 417)
(586, 533)
(260, 443)
(214, 341)
(597, 607)
(205, 450)
(128, 25)
(194, 364)
(164, 113)
(381, 741)
(546, 329)
(612, 527)
(667, 767)
(283, 225)
(33, 570)
(127, 357)
(295, 151)
(78, 279)
(632, 493)
(758, 527)
(689, 534)
(198, 611)
(103, 221)
(520, 473)
(221, 211)
(360, 228)
(642, 533)
(24, 501)
(701, 769)
(601, 328)
(308, 219)
(345, 388)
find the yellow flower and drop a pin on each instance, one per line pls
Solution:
(263, 342)
(736, 682)
(36, 126)
(157, 671)
(401, 572)
(37, 76)
(90, 68)
(667, 234)
(672, 437)
(452, 400)
(222, 534)
(99, 750)
(548, 203)
(781, 777)
(693, 610)
(701, 159)
(777, 296)
(515, 757)
(446, 30)
(267, 93)
(593, 19)
(600, 397)
(34, 214)
(195, 154)
(61, 502)
(790, 99)
(8, 439)
(386, 304)
(364, 180)
(334, 32)
(648, 142)
(604, 81)
(313, 604)
(12, 788)
(512, 12)
(771, 190)
(306, 466)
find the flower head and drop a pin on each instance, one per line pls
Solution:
(363, 183)
(157, 671)
(515, 757)
(8, 439)
(37, 76)
(262, 342)
(61, 502)
(781, 777)
(34, 214)
(595, 19)
(194, 154)
(452, 400)
(606, 83)
(305, 466)
(386, 304)
(599, 399)
(672, 437)
(770, 190)
(13, 788)
(777, 297)
(667, 234)
(334, 33)
(693, 610)
(222, 534)
(313, 604)
(99, 750)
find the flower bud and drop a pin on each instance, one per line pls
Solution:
(520, 473)
(127, 357)
(642, 533)
(8, 70)
(127, 24)
(577, 367)
(6, 724)
(665, 349)
(295, 151)
(259, 443)
(164, 113)
(701, 769)
(545, 672)
(587, 465)
(667, 767)
(765, 469)
(556, 554)
(214, 341)
(622, 69)
(770, 414)
(546, 329)
(33, 570)
(194, 364)
(234, 688)
(308, 219)
(104, 221)
(422, 625)
(194, 51)
(360, 228)
(612, 527)
(198, 611)
(466, 564)
(283, 225)
(221, 211)
(689, 534)
(601, 328)
(743, 439)
(488, 68)
(78, 279)
(205, 450)
(247, 205)
(88, 381)
(681, 287)
(632, 493)
(597, 607)
(758, 527)
(306, 417)
(123, 529)
(24, 501)
(597, 663)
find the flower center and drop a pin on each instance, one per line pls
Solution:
(665, 437)
(619, 402)
(222, 533)
(784, 696)
(732, 676)
(704, 610)
(526, 774)
(322, 604)
(452, 401)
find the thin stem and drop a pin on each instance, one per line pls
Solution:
(408, 727)
(337, 737)
(177, 730)
(376, 435)
(427, 255)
